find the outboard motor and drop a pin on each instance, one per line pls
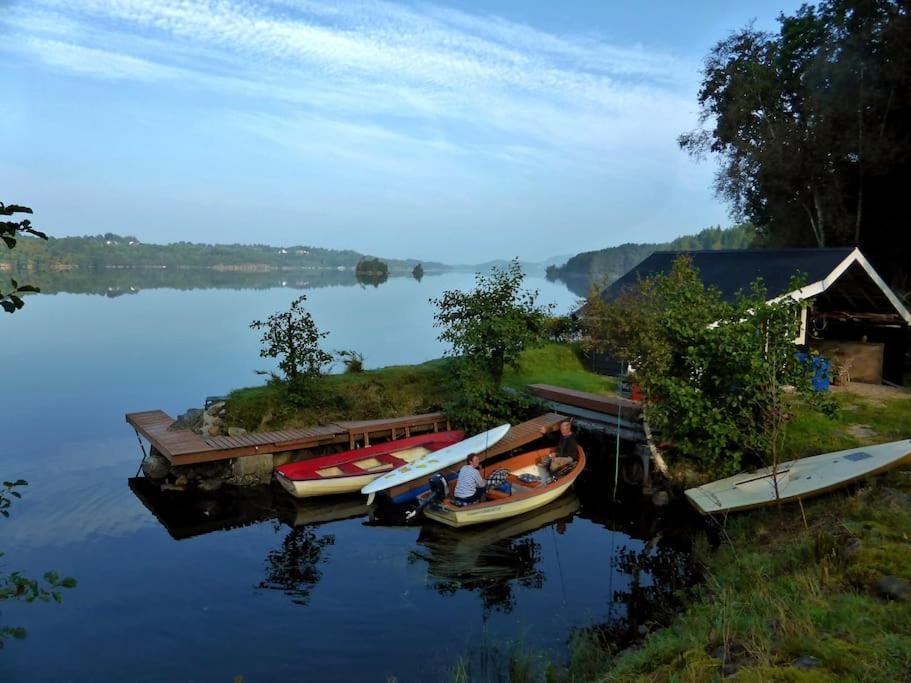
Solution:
(439, 489)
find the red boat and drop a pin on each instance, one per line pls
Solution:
(352, 470)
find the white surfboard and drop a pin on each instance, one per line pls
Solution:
(437, 460)
(798, 479)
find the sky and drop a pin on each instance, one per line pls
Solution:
(454, 132)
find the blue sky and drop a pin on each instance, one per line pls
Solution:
(457, 132)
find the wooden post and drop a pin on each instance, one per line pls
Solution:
(407, 431)
(366, 439)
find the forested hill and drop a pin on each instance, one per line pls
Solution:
(613, 262)
(118, 251)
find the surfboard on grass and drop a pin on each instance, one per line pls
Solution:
(798, 479)
(433, 462)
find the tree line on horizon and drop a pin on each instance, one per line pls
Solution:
(111, 251)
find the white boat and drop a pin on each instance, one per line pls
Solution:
(798, 479)
(433, 462)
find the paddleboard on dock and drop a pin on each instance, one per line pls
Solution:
(437, 460)
(798, 479)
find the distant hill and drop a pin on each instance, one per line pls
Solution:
(111, 251)
(580, 271)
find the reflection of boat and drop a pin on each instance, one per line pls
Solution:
(464, 544)
(531, 488)
(322, 511)
(798, 479)
(350, 471)
(492, 559)
(434, 462)
(188, 514)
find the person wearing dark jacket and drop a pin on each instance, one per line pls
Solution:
(567, 450)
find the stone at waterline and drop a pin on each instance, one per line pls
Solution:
(211, 484)
(156, 466)
(252, 469)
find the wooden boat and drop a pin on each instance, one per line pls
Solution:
(798, 479)
(524, 497)
(352, 470)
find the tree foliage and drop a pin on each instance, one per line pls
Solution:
(294, 339)
(491, 325)
(712, 371)
(11, 299)
(813, 125)
(487, 329)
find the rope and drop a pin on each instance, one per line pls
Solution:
(559, 564)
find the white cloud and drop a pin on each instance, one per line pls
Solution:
(426, 65)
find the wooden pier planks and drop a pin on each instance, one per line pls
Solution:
(184, 447)
(612, 405)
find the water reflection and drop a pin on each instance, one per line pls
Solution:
(491, 561)
(294, 568)
(187, 514)
(115, 282)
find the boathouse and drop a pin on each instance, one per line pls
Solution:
(854, 316)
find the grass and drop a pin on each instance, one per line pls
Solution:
(811, 432)
(559, 364)
(398, 390)
(777, 591)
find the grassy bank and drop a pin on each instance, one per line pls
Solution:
(398, 390)
(786, 600)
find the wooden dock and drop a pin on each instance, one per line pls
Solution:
(599, 403)
(185, 447)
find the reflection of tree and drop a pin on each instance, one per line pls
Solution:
(657, 575)
(491, 571)
(293, 568)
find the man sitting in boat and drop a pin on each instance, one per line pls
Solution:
(567, 450)
(470, 486)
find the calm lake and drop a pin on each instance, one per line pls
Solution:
(254, 585)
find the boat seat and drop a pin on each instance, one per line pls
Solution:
(350, 468)
(496, 494)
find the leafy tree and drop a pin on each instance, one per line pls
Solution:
(487, 329)
(371, 272)
(712, 371)
(11, 300)
(293, 337)
(491, 325)
(418, 272)
(811, 125)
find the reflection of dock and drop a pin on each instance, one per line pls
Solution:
(185, 447)
(187, 515)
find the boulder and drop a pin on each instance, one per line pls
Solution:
(156, 466)
(661, 498)
(192, 419)
(236, 431)
(806, 662)
(893, 588)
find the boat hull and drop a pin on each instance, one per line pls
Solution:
(325, 487)
(510, 506)
(798, 479)
(350, 471)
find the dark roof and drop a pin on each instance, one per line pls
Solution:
(733, 270)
